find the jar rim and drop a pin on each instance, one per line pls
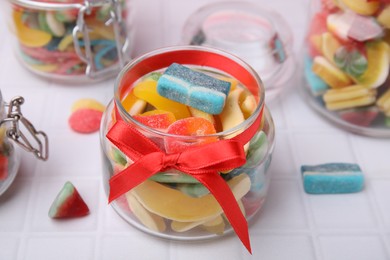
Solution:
(190, 48)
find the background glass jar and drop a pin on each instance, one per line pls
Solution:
(346, 64)
(16, 129)
(180, 194)
(72, 40)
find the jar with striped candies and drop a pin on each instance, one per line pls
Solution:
(186, 142)
(347, 63)
(72, 40)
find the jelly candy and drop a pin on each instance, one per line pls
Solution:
(147, 91)
(191, 126)
(28, 36)
(351, 61)
(378, 65)
(348, 97)
(317, 85)
(180, 207)
(133, 105)
(329, 46)
(332, 178)
(384, 103)
(88, 103)
(3, 167)
(330, 73)
(68, 203)
(199, 113)
(85, 120)
(232, 115)
(360, 116)
(362, 7)
(150, 220)
(384, 17)
(157, 119)
(193, 88)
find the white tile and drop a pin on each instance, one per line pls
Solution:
(281, 247)
(46, 193)
(9, 246)
(381, 190)
(342, 211)
(228, 246)
(125, 247)
(73, 154)
(318, 148)
(13, 206)
(283, 208)
(282, 164)
(60, 247)
(374, 155)
(352, 247)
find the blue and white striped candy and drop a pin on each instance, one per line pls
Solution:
(193, 88)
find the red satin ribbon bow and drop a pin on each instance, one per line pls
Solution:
(201, 162)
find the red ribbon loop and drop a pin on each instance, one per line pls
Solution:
(201, 162)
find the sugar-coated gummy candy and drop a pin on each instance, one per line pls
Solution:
(88, 103)
(193, 88)
(157, 119)
(3, 167)
(68, 203)
(85, 120)
(332, 178)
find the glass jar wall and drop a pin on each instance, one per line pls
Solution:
(346, 64)
(172, 202)
(74, 40)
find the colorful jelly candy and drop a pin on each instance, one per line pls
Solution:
(157, 119)
(47, 39)
(147, 91)
(332, 178)
(68, 203)
(232, 115)
(362, 7)
(192, 127)
(330, 73)
(86, 116)
(360, 116)
(193, 88)
(384, 103)
(133, 105)
(180, 207)
(349, 97)
(3, 167)
(317, 85)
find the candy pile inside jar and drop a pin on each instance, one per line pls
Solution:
(347, 66)
(46, 43)
(5, 151)
(185, 101)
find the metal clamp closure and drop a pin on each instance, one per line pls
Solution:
(15, 117)
(120, 35)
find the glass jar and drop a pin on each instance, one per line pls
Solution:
(188, 211)
(258, 35)
(72, 40)
(346, 64)
(16, 129)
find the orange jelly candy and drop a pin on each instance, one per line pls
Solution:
(157, 119)
(191, 126)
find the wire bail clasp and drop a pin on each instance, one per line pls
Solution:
(82, 31)
(15, 117)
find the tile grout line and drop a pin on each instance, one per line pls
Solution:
(373, 203)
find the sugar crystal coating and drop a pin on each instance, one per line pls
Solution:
(193, 88)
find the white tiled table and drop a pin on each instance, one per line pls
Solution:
(293, 224)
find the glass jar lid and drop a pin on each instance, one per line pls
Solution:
(259, 36)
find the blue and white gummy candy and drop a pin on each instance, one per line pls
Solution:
(332, 178)
(193, 88)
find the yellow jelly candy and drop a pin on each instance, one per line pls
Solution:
(362, 7)
(232, 115)
(384, 103)
(330, 44)
(378, 65)
(133, 105)
(215, 226)
(27, 36)
(150, 220)
(44, 67)
(349, 97)
(147, 90)
(329, 73)
(172, 204)
(248, 103)
(88, 103)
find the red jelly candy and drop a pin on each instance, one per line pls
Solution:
(191, 126)
(85, 120)
(157, 119)
(3, 167)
